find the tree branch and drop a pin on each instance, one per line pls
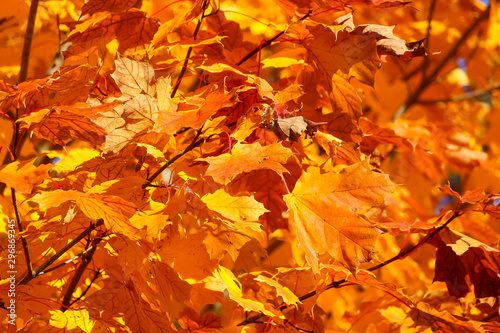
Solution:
(184, 66)
(52, 259)
(195, 143)
(31, 272)
(86, 258)
(336, 284)
(268, 42)
(404, 253)
(23, 74)
(427, 37)
(413, 98)
(88, 287)
(28, 38)
(470, 95)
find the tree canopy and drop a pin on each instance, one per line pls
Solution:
(250, 166)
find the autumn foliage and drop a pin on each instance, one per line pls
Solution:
(250, 166)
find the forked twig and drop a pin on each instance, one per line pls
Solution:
(413, 98)
(61, 252)
(73, 284)
(195, 143)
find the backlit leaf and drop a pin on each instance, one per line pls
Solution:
(234, 208)
(245, 158)
(337, 230)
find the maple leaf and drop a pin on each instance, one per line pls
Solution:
(133, 77)
(269, 189)
(190, 320)
(472, 197)
(234, 208)
(94, 6)
(442, 321)
(71, 320)
(23, 175)
(121, 297)
(289, 128)
(211, 97)
(245, 158)
(131, 29)
(337, 230)
(466, 264)
(58, 126)
(224, 279)
(113, 210)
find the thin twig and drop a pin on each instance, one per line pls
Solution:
(73, 284)
(195, 143)
(427, 37)
(470, 95)
(62, 251)
(184, 66)
(413, 98)
(88, 287)
(404, 253)
(336, 284)
(31, 272)
(266, 43)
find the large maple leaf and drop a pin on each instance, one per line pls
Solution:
(324, 210)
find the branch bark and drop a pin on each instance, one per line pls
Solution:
(62, 251)
(336, 284)
(413, 98)
(86, 259)
(188, 55)
(28, 38)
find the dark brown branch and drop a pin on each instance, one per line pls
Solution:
(413, 98)
(23, 74)
(184, 66)
(268, 42)
(195, 143)
(28, 38)
(73, 284)
(427, 37)
(405, 252)
(31, 272)
(88, 287)
(464, 97)
(61, 252)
